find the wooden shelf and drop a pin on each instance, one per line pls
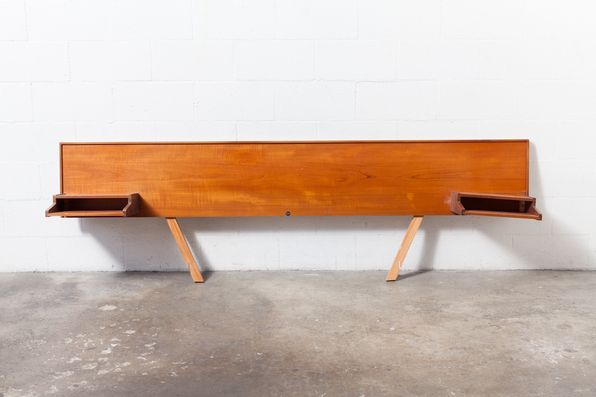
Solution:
(97, 205)
(501, 205)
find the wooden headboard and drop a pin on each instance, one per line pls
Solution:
(329, 178)
(297, 178)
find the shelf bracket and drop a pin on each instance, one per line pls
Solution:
(403, 249)
(184, 248)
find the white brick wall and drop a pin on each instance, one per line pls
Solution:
(275, 60)
(21, 61)
(179, 60)
(314, 101)
(354, 60)
(396, 100)
(153, 101)
(13, 25)
(110, 61)
(15, 102)
(122, 70)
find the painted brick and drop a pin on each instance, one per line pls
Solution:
(479, 60)
(314, 101)
(71, 101)
(301, 237)
(35, 142)
(557, 100)
(150, 19)
(200, 19)
(127, 131)
(108, 20)
(20, 181)
(60, 20)
(572, 138)
(73, 253)
(239, 19)
(149, 246)
(276, 130)
(23, 254)
(234, 101)
(153, 101)
(13, 23)
(193, 60)
(226, 70)
(310, 19)
(25, 61)
(548, 20)
(258, 235)
(49, 174)
(393, 101)
(569, 215)
(472, 19)
(477, 99)
(558, 59)
(418, 60)
(110, 61)
(538, 252)
(570, 178)
(15, 102)
(275, 60)
(346, 130)
(27, 219)
(355, 60)
(399, 19)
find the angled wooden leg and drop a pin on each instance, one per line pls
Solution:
(403, 249)
(185, 250)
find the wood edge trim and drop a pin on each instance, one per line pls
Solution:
(455, 141)
(92, 195)
(535, 211)
(528, 167)
(89, 214)
(126, 208)
(496, 196)
(132, 207)
(61, 165)
(455, 204)
(515, 215)
(50, 211)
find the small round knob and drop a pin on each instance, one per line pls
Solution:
(288, 213)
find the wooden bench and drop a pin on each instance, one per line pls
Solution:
(332, 178)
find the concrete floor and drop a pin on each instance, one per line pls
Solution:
(519, 333)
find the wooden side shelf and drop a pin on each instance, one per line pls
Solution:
(108, 205)
(494, 205)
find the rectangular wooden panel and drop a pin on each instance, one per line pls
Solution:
(204, 179)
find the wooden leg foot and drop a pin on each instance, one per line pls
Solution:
(189, 258)
(403, 249)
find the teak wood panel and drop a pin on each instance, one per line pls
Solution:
(299, 178)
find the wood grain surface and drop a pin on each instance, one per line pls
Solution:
(413, 227)
(204, 179)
